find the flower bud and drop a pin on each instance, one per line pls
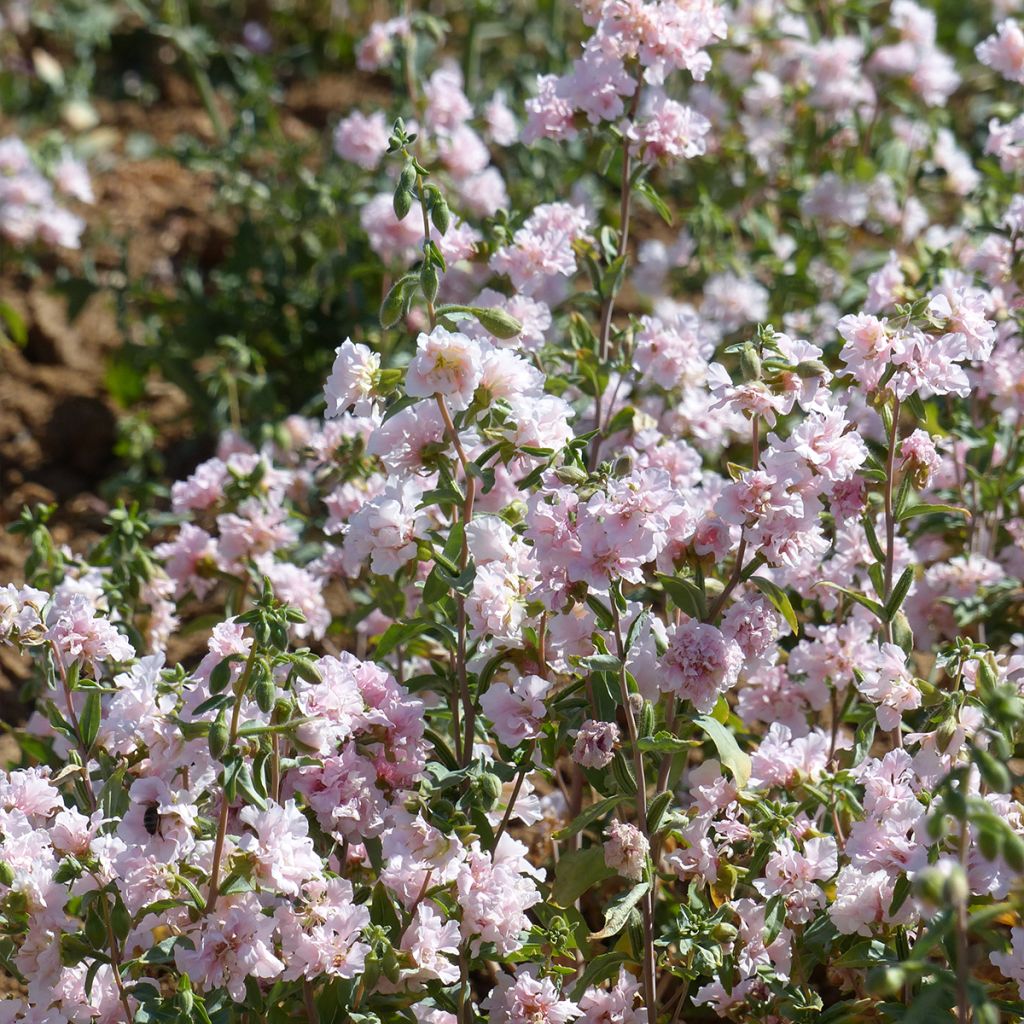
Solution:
(811, 368)
(402, 202)
(219, 736)
(407, 179)
(499, 323)
(265, 693)
(1013, 851)
(440, 215)
(490, 787)
(6, 873)
(429, 281)
(750, 363)
(885, 981)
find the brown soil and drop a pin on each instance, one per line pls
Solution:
(58, 424)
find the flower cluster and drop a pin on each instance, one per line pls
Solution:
(29, 210)
(616, 648)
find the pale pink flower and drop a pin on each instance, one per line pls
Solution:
(446, 363)
(626, 850)
(1004, 51)
(351, 380)
(516, 709)
(362, 140)
(595, 744)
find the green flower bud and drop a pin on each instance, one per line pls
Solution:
(499, 323)
(490, 787)
(265, 693)
(402, 202)
(440, 215)
(429, 281)
(219, 736)
(750, 363)
(885, 981)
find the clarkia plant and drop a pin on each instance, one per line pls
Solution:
(616, 648)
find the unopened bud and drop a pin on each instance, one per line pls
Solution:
(885, 981)
(750, 363)
(219, 736)
(811, 368)
(490, 786)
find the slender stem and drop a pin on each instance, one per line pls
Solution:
(468, 705)
(83, 750)
(115, 957)
(890, 521)
(225, 804)
(524, 768)
(310, 1004)
(890, 536)
(608, 310)
(646, 904)
(963, 1009)
(738, 571)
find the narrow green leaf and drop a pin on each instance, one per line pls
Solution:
(729, 752)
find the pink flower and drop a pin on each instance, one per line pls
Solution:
(446, 363)
(517, 709)
(362, 139)
(523, 998)
(614, 1005)
(79, 634)
(72, 178)
(321, 933)
(792, 873)
(700, 664)
(595, 744)
(1012, 963)
(281, 847)
(495, 892)
(670, 131)
(890, 685)
(378, 46)
(383, 533)
(549, 114)
(351, 380)
(919, 457)
(234, 943)
(1004, 51)
(626, 850)
(862, 901)
(432, 942)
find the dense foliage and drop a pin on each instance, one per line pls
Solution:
(609, 577)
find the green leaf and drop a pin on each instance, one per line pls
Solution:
(398, 633)
(780, 599)
(923, 510)
(663, 742)
(646, 189)
(729, 752)
(686, 595)
(600, 968)
(89, 720)
(899, 593)
(601, 663)
(588, 815)
(617, 914)
(873, 606)
(774, 919)
(576, 872)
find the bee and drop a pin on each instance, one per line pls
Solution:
(151, 818)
